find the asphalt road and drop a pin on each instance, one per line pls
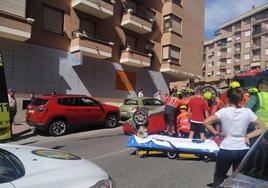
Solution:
(107, 148)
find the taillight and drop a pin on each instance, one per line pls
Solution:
(41, 109)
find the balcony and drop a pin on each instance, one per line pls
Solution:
(223, 64)
(256, 47)
(259, 32)
(91, 46)
(134, 22)
(99, 8)
(15, 27)
(237, 61)
(256, 58)
(223, 56)
(135, 57)
(172, 7)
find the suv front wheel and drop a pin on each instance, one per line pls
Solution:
(111, 121)
(58, 127)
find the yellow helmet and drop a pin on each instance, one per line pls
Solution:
(253, 90)
(183, 107)
(207, 95)
(234, 84)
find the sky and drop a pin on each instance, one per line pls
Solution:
(220, 11)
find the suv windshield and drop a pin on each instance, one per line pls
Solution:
(39, 102)
(250, 81)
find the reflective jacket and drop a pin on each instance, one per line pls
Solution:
(262, 112)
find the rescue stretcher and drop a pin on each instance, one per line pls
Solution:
(174, 147)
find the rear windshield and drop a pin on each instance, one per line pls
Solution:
(130, 102)
(39, 102)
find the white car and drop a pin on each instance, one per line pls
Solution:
(34, 167)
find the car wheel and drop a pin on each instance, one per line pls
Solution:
(111, 121)
(140, 118)
(172, 155)
(58, 127)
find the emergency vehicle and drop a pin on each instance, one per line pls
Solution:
(5, 127)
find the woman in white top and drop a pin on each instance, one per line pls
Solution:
(234, 146)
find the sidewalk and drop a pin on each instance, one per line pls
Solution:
(21, 131)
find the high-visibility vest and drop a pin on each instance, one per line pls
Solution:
(172, 101)
(262, 113)
(183, 122)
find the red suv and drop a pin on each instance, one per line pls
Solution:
(57, 113)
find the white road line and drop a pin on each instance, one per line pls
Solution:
(111, 154)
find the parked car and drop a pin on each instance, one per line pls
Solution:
(133, 104)
(32, 167)
(253, 170)
(153, 120)
(57, 113)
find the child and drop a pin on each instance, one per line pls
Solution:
(183, 124)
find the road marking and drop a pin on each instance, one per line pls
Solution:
(111, 154)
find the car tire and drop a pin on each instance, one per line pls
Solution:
(140, 118)
(58, 127)
(111, 121)
(172, 155)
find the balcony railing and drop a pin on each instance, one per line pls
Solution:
(91, 45)
(259, 32)
(15, 27)
(98, 8)
(136, 57)
(256, 58)
(136, 22)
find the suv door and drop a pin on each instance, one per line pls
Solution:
(71, 109)
(91, 111)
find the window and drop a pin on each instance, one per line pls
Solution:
(247, 33)
(39, 102)
(178, 2)
(257, 29)
(247, 21)
(149, 46)
(150, 13)
(53, 20)
(229, 50)
(212, 45)
(131, 41)
(246, 67)
(152, 102)
(88, 28)
(172, 23)
(11, 167)
(228, 61)
(132, 5)
(210, 65)
(247, 44)
(266, 64)
(266, 51)
(228, 71)
(237, 68)
(247, 56)
(218, 54)
(88, 102)
(172, 53)
(130, 102)
(211, 54)
(237, 36)
(218, 63)
(255, 165)
(69, 101)
(266, 38)
(229, 39)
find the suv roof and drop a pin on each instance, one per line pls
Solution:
(59, 96)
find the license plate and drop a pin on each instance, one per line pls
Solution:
(124, 113)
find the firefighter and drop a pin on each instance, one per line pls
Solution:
(183, 122)
(259, 103)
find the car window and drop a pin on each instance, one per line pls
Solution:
(131, 102)
(39, 102)
(152, 102)
(11, 167)
(88, 102)
(256, 163)
(69, 101)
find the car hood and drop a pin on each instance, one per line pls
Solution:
(53, 168)
(110, 107)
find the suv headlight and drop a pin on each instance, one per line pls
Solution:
(104, 184)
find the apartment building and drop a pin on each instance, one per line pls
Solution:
(239, 44)
(103, 48)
